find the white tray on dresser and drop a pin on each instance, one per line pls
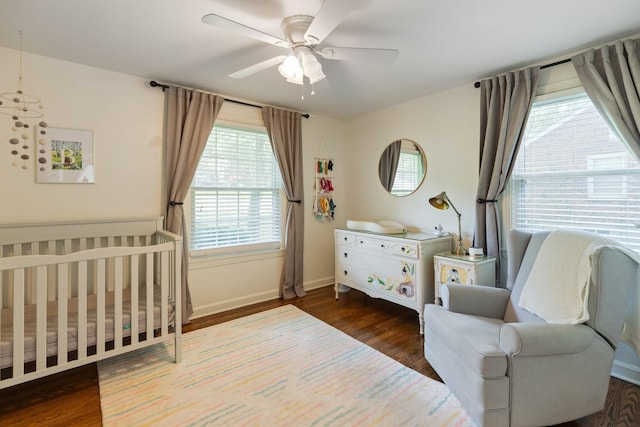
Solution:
(394, 267)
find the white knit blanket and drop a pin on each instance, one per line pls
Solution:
(557, 289)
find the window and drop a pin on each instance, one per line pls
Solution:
(573, 172)
(236, 193)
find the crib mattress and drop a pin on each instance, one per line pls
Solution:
(6, 329)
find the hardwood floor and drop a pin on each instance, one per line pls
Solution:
(72, 398)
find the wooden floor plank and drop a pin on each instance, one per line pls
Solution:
(72, 398)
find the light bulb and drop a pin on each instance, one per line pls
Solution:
(289, 67)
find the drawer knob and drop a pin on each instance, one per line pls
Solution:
(402, 249)
(345, 272)
(345, 239)
(346, 254)
(382, 245)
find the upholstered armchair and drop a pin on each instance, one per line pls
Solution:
(510, 367)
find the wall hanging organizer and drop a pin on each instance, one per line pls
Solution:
(323, 205)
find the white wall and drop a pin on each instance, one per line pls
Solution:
(126, 120)
(446, 126)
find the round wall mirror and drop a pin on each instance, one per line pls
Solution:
(402, 167)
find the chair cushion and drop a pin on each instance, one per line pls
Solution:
(474, 339)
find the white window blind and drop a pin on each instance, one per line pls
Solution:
(409, 173)
(573, 172)
(236, 192)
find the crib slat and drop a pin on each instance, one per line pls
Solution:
(18, 323)
(134, 299)
(63, 306)
(149, 289)
(100, 291)
(41, 317)
(17, 251)
(29, 279)
(164, 286)
(117, 320)
(82, 309)
(176, 279)
(51, 273)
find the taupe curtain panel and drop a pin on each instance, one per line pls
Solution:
(285, 132)
(389, 164)
(189, 117)
(505, 103)
(611, 77)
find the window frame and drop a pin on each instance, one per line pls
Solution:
(206, 257)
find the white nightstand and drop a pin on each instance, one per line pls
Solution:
(463, 269)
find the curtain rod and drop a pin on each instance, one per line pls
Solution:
(542, 67)
(164, 87)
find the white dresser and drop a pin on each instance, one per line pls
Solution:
(397, 268)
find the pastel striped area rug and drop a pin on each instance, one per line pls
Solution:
(280, 367)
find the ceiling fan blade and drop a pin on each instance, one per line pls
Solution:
(227, 24)
(260, 66)
(328, 17)
(378, 56)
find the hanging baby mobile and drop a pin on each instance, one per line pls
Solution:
(25, 110)
(323, 206)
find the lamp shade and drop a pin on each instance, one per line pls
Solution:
(442, 201)
(439, 201)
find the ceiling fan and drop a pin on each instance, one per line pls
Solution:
(303, 36)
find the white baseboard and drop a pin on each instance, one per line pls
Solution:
(319, 283)
(626, 372)
(230, 304)
(245, 300)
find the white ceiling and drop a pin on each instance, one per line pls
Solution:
(442, 44)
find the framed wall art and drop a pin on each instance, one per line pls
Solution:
(65, 156)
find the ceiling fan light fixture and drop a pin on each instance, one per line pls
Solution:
(316, 77)
(298, 79)
(311, 67)
(290, 67)
(310, 64)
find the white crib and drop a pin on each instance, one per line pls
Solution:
(75, 293)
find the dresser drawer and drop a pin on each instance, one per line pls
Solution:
(405, 249)
(394, 278)
(388, 246)
(373, 244)
(345, 239)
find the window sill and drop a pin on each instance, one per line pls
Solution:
(210, 261)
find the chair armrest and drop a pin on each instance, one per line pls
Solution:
(475, 300)
(540, 339)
